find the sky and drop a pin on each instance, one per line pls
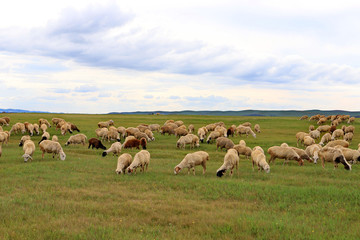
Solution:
(92, 56)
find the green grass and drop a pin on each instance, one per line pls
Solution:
(83, 198)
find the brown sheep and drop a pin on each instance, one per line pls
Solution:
(135, 143)
(96, 143)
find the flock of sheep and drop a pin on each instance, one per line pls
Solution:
(336, 139)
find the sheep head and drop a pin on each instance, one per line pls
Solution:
(220, 173)
(177, 170)
(62, 155)
(26, 157)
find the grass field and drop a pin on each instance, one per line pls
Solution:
(83, 198)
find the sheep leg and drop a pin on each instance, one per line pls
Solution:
(42, 156)
(252, 165)
(204, 168)
(188, 170)
(193, 170)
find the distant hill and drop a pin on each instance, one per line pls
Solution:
(267, 113)
(11, 110)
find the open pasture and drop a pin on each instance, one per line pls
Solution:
(83, 198)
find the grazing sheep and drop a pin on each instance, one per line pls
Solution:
(150, 135)
(231, 131)
(224, 142)
(303, 155)
(245, 130)
(304, 117)
(102, 133)
(77, 139)
(95, 143)
(124, 161)
(36, 128)
(169, 121)
(242, 143)
(352, 119)
(315, 134)
(183, 140)
(29, 149)
(18, 128)
(43, 127)
(180, 132)
(142, 160)
(308, 141)
(139, 135)
(311, 128)
(3, 122)
(7, 119)
(73, 127)
(65, 128)
(29, 127)
(332, 129)
(323, 128)
(105, 124)
(23, 139)
(55, 148)
(179, 123)
(115, 148)
(338, 133)
(202, 134)
(210, 127)
(329, 154)
(45, 136)
(321, 121)
(222, 130)
(348, 136)
(143, 127)
(191, 128)
(313, 152)
(243, 150)
(212, 136)
(258, 158)
(325, 139)
(122, 132)
(4, 137)
(113, 135)
(44, 121)
(55, 138)
(300, 137)
(231, 161)
(170, 130)
(0, 150)
(257, 128)
(246, 124)
(191, 160)
(351, 155)
(154, 127)
(135, 143)
(337, 142)
(55, 121)
(315, 118)
(348, 129)
(286, 153)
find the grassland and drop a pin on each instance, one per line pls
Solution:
(83, 198)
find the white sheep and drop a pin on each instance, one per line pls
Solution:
(150, 134)
(191, 128)
(55, 148)
(191, 160)
(29, 149)
(3, 122)
(313, 151)
(55, 138)
(329, 154)
(300, 137)
(257, 128)
(213, 135)
(286, 153)
(241, 129)
(243, 150)
(202, 134)
(43, 127)
(113, 135)
(23, 139)
(242, 143)
(105, 124)
(338, 133)
(337, 142)
(102, 133)
(231, 161)
(351, 155)
(258, 158)
(315, 134)
(325, 139)
(154, 127)
(224, 142)
(66, 127)
(140, 135)
(45, 136)
(122, 131)
(4, 137)
(36, 128)
(123, 162)
(76, 139)
(115, 148)
(308, 141)
(324, 128)
(142, 160)
(348, 136)
(188, 139)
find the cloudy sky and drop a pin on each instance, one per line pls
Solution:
(101, 56)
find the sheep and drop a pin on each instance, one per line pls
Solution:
(29, 127)
(142, 127)
(76, 139)
(4, 137)
(352, 119)
(55, 138)
(0, 150)
(325, 139)
(43, 127)
(338, 133)
(315, 134)
(202, 134)
(167, 129)
(23, 139)
(258, 158)
(115, 148)
(179, 123)
(55, 148)
(313, 152)
(102, 133)
(348, 136)
(231, 161)
(7, 119)
(222, 130)
(180, 132)
(304, 117)
(73, 127)
(224, 142)
(135, 143)
(3, 122)
(308, 141)
(1, 129)
(330, 154)
(169, 121)
(245, 130)
(286, 153)
(105, 124)
(142, 160)
(321, 121)
(95, 143)
(257, 128)
(243, 150)
(29, 149)
(45, 136)
(124, 161)
(242, 143)
(246, 124)
(348, 129)
(337, 142)
(302, 154)
(44, 121)
(210, 127)
(213, 135)
(150, 135)
(183, 140)
(300, 137)
(191, 160)
(231, 131)
(311, 128)
(191, 128)
(154, 127)
(195, 140)
(36, 128)
(221, 124)
(351, 155)
(17, 127)
(66, 127)
(113, 135)
(55, 121)
(121, 131)
(315, 118)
